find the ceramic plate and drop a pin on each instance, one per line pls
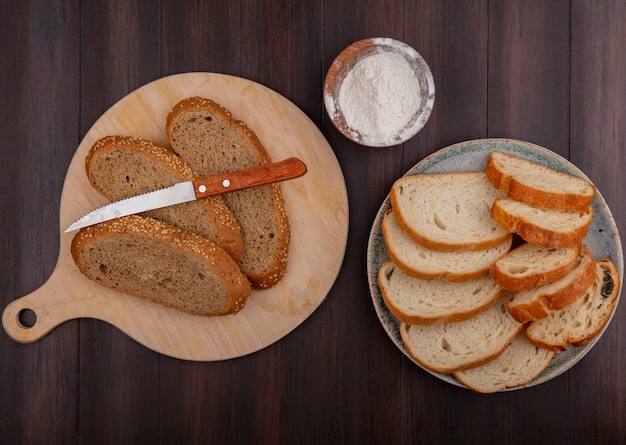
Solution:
(602, 239)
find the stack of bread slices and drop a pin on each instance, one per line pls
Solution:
(488, 273)
(202, 257)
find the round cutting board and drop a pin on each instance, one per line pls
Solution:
(316, 203)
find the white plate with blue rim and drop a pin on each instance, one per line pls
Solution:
(602, 239)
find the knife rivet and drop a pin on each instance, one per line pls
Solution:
(225, 183)
(202, 188)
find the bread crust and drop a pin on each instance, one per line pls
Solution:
(545, 301)
(518, 283)
(526, 193)
(442, 245)
(219, 217)
(603, 296)
(535, 234)
(276, 267)
(235, 283)
(450, 317)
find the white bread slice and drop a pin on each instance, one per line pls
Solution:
(148, 258)
(519, 364)
(416, 301)
(538, 302)
(207, 137)
(538, 185)
(553, 229)
(448, 211)
(451, 347)
(420, 262)
(530, 265)
(121, 166)
(585, 318)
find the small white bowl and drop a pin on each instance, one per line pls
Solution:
(346, 62)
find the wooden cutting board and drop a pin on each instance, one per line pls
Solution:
(317, 206)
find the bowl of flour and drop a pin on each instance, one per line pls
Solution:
(379, 92)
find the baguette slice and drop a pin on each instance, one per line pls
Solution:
(416, 301)
(530, 265)
(538, 302)
(148, 258)
(120, 167)
(448, 211)
(537, 185)
(585, 318)
(553, 229)
(452, 347)
(206, 136)
(420, 262)
(520, 363)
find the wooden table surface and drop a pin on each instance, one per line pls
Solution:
(551, 73)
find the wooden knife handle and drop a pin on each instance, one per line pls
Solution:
(250, 177)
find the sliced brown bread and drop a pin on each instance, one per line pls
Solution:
(121, 166)
(553, 229)
(416, 301)
(530, 265)
(537, 185)
(448, 211)
(148, 258)
(452, 347)
(207, 137)
(519, 364)
(421, 262)
(538, 302)
(584, 319)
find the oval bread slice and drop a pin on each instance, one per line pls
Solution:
(585, 318)
(121, 166)
(416, 301)
(207, 137)
(530, 265)
(538, 302)
(538, 185)
(148, 258)
(520, 363)
(421, 262)
(448, 211)
(553, 229)
(451, 347)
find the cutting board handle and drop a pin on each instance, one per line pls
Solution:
(47, 317)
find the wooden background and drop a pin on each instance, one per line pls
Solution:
(547, 72)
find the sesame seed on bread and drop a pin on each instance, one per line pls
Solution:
(207, 137)
(121, 166)
(150, 259)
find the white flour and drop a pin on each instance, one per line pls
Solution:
(380, 96)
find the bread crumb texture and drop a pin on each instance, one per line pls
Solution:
(207, 137)
(153, 260)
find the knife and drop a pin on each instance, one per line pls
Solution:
(191, 190)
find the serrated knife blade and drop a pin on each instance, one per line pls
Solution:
(191, 190)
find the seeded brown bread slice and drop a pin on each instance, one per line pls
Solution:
(538, 302)
(538, 185)
(448, 211)
(148, 258)
(530, 265)
(553, 229)
(206, 136)
(121, 166)
(585, 318)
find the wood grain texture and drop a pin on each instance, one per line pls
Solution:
(551, 73)
(318, 219)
